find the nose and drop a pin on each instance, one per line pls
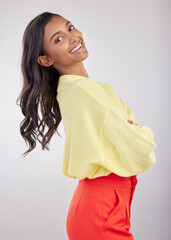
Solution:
(73, 39)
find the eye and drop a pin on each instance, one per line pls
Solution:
(57, 39)
(71, 27)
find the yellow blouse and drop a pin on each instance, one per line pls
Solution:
(98, 137)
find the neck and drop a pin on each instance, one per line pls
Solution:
(76, 69)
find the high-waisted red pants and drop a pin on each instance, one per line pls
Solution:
(100, 208)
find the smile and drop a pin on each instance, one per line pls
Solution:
(77, 49)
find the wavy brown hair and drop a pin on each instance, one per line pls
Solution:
(37, 99)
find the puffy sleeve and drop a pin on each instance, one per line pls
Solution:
(82, 116)
(128, 111)
(114, 96)
(98, 134)
(130, 148)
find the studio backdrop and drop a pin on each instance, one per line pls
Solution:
(129, 48)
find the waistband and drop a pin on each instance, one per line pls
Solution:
(112, 180)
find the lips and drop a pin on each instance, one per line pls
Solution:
(76, 46)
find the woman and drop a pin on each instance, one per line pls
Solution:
(104, 147)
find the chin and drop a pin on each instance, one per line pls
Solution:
(81, 58)
(86, 55)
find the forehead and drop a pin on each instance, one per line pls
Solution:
(54, 25)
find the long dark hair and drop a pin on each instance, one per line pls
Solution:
(39, 90)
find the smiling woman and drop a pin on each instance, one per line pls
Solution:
(63, 47)
(104, 146)
(50, 49)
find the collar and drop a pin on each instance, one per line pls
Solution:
(69, 78)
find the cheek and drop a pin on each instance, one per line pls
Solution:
(59, 53)
(55, 51)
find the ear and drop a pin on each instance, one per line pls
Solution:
(44, 61)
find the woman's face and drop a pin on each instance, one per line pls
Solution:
(60, 38)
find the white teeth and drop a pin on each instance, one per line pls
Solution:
(76, 48)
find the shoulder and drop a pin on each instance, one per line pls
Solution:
(85, 87)
(108, 88)
(81, 92)
(88, 84)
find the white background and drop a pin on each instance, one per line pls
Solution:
(129, 49)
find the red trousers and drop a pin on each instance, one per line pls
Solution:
(100, 209)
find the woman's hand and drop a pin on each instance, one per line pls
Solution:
(130, 121)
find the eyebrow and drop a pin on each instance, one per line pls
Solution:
(59, 31)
